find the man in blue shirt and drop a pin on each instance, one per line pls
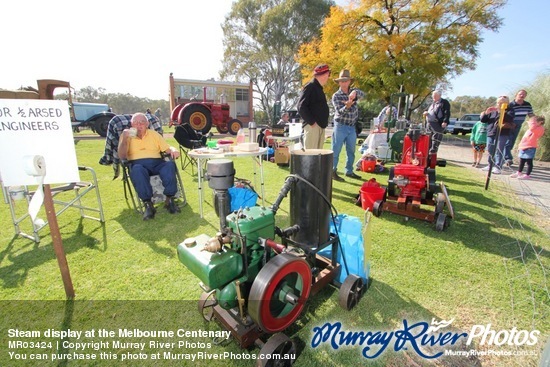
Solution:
(521, 109)
(346, 114)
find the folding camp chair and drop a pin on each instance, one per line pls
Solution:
(61, 198)
(188, 139)
(158, 189)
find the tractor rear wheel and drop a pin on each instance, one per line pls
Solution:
(101, 125)
(279, 292)
(198, 116)
(234, 126)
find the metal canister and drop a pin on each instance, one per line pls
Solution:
(308, 208)
(252, 131)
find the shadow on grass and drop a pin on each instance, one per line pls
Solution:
(33, 255)
(480, 222)
(164, 227)
(380, 309)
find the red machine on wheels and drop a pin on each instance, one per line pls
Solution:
(412, 183)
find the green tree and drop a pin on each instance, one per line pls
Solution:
(261, 39)
(468, 104)
(120, 103)
(414, 44)
(539, 97)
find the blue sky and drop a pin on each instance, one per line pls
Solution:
(131, 47)
(512, 58)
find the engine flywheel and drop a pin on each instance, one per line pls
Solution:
(279, 292)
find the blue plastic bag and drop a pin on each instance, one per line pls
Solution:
(241, 197)
(351, 238)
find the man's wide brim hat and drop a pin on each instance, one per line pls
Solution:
(344, 76)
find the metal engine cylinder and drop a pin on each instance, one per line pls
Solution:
(220, 174)
(308, 209)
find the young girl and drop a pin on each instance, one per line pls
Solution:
(478, 139)
(528, 147)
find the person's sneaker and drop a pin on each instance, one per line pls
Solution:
(353, 175)
(516, 175)
(149, 212)
(336, 177)
(508, 163)
(495, 171)
(524, 177)
(485, 169)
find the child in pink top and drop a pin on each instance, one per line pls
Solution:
(528, 146)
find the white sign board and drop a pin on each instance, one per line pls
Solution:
(36, 128)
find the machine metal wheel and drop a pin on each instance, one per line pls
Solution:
(441, 222)
(198, 116)
(234, 126)
(377, 208)
(351, 290)
(278, 345)
(391, 184)
(207, 301)
(279, 292)
(396, 142)
(432, 187)
(439, 203)
(101, 126)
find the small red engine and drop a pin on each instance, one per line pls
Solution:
(412, 182)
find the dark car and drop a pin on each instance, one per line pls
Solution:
(463, 125)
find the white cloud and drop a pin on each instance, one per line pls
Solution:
(530, 66)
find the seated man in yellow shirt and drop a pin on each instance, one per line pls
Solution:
(143, 151)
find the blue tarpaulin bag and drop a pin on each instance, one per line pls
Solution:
(242, 197)
(350, 232)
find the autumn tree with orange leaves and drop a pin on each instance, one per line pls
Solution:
(411, 44)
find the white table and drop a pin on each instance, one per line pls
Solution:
(295, 140)
(204, 154)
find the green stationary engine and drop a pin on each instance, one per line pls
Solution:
(222, 262)
(254, 285)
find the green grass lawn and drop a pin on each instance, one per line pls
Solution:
(489, 267)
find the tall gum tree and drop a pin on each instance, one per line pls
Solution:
(415, 45)
(261, 41)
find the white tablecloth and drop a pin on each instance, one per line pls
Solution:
(373, 141)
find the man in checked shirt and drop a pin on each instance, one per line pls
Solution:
(346, 114)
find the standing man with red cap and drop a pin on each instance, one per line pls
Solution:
(313, 108)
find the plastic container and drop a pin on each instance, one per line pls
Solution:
(383, 152)
(241, 136)
(368, 166)
(370, 192)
